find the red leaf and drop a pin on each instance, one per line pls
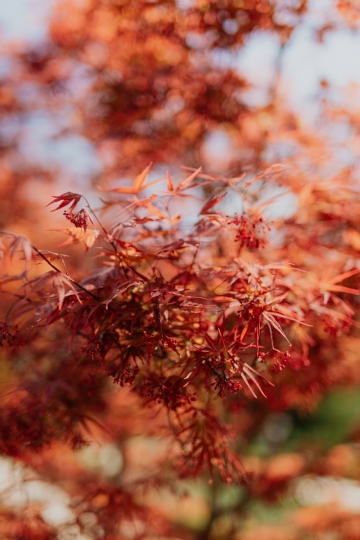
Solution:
(66, 198)
(211, 202)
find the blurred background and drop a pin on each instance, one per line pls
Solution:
(90, 93)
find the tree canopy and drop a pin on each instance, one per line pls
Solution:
(179, 352)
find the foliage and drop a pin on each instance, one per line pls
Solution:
(187, 329)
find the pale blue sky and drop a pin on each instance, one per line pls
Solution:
(24, 20)
(305, 62)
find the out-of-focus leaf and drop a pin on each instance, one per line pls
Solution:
(138, 184)
(211, 203)
(21, 242)
(54, 279)
(77, 236)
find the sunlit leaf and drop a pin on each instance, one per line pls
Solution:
(138, 184)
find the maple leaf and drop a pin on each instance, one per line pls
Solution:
(211, 203)
(328, 286)
(58, 280)
(138, 184)
(275, 168)
(250, 373)
(182, 185)
(65, 199)
(77, 236)
(120, 289)
(18, 241)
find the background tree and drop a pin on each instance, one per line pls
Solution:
(197, 345)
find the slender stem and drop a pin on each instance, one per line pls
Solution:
(138, 273)
(46, 260)
(220, 376)
(100, 224)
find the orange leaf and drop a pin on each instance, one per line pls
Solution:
(170, 184)
(138, 184)
(77, 235)
(140, 179)
(189, 178)
(155, 211)
(343, 276)
(340, 288)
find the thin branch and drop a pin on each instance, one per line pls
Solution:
(59, 271)
(100, 224)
